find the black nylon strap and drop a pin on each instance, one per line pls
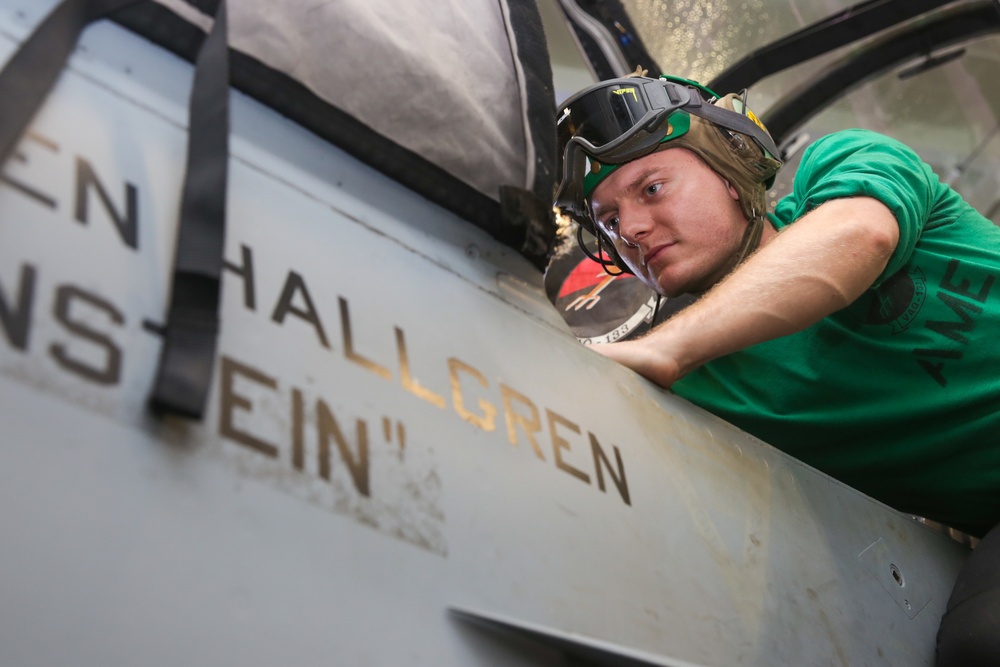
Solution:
(190, 334)
(184, 374)
(735, 122)
(33, 69)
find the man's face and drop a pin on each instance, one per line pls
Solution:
(675, 221)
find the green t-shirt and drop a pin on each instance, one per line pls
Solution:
(898, 394)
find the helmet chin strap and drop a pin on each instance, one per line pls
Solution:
(751, 237)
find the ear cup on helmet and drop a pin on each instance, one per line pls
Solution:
(733, 155)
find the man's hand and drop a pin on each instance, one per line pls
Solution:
(647, 356)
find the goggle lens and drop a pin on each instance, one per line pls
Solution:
(603, 115)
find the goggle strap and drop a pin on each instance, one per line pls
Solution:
(667, 95)
(735, 122)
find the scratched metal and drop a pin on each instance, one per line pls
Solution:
(399, 426)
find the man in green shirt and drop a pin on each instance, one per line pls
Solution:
(856, 328)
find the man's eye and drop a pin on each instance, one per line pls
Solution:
(653, 188)
(610, 224)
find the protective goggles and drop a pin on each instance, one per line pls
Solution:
(612, 123)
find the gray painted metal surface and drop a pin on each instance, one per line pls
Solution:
(408, 459)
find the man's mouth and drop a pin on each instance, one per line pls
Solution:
(657, 251)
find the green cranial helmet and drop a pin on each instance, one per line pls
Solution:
(620, 120)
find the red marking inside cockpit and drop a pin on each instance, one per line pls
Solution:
(586, 275)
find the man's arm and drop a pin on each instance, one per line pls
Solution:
(814, 267)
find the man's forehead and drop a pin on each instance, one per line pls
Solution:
(631, 176)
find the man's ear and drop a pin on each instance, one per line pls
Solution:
(732, 191)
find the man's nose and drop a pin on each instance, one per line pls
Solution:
(633, 225)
